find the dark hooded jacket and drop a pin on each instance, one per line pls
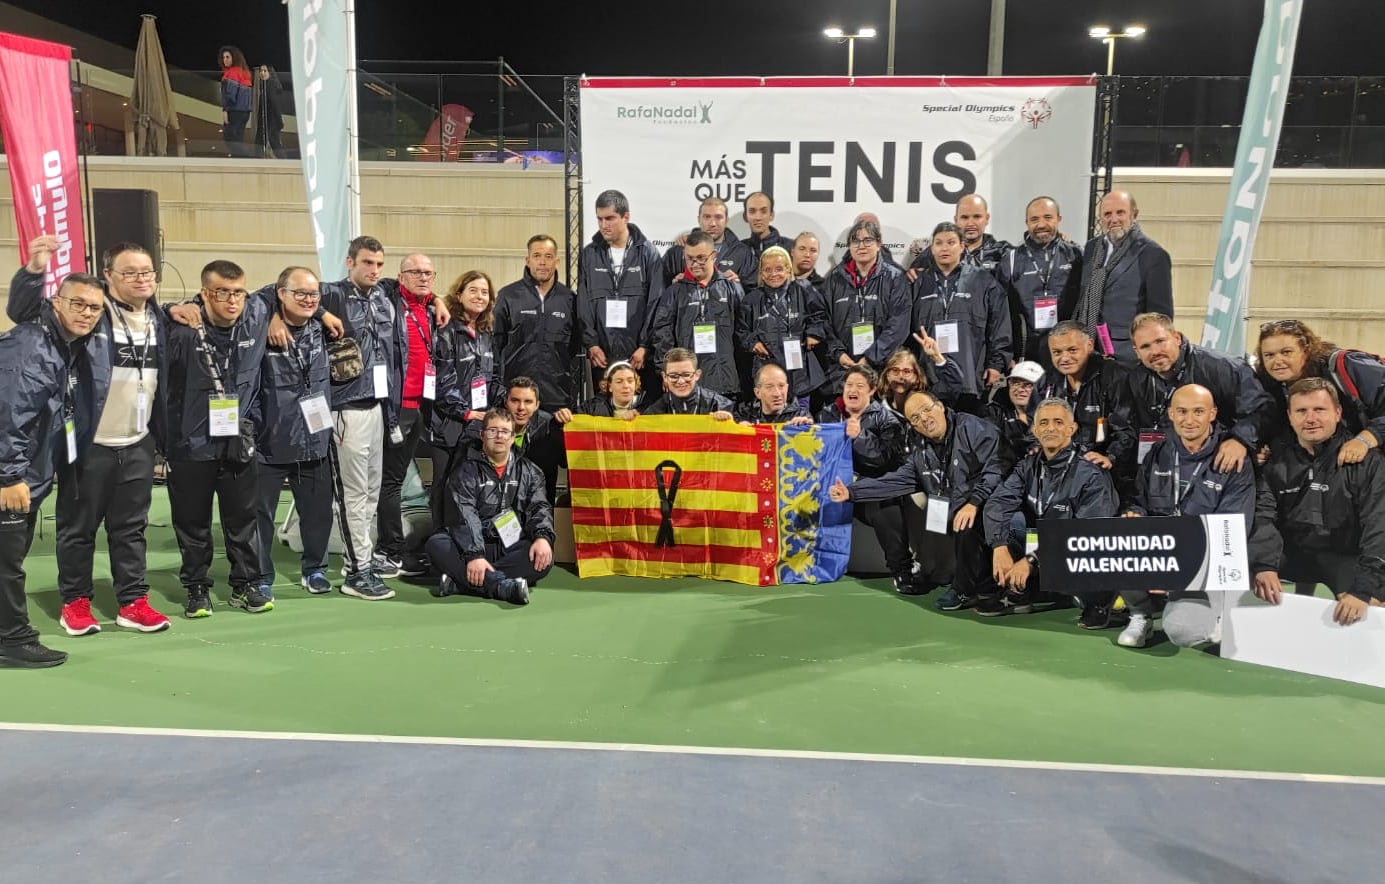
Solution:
(1065, 487)
(1030, 273)
(881, 301)
(973, 299)
(537, 337)
(1172, 482)
(462, 357)
(964, 466)
(638, 282)
(287, 377)
(796, 311)
(1306, 501)
(376, 321)
(1364, 410)
(687, 304)
(44, 381)
(733, 254)
(479, 495)
(984, 257)
(700, 401)
(879, 447)
(1243, 406)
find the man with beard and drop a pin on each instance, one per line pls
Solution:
(536, 326)
(1038, 275)
(979, 249)
(734, 259)
(1124, 273)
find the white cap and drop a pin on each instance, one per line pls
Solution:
(1027, 371)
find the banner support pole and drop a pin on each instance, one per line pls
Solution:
(353, 155)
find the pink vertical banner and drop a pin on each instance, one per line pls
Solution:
(41, 150)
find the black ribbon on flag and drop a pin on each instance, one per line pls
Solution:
(666, 496)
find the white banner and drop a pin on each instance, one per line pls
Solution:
(827, 149)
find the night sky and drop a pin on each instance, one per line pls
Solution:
(768, 37)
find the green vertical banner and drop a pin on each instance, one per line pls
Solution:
(318, 38)
(1225, 327)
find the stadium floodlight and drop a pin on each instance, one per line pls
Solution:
(1109, 37)
(835, 33)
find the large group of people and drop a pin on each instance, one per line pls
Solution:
(986, 387)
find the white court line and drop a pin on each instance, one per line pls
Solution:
(726, 751)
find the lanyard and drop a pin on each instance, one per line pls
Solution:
(212, 368)
(422, 332)
(1040, 505)
(1180, 488)
(1047, 272)
(297, 355)
(946, 291)
(125, 327)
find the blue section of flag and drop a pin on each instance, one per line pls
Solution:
(814, 532)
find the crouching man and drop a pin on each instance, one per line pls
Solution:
(44, 369)
(1318, 520)
(1055, 482)
(502, 541)
(1179, 478)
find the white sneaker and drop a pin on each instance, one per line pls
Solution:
(1139, 630)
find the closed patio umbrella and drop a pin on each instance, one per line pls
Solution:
(151, 97)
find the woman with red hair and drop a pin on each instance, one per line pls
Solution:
(236, 99)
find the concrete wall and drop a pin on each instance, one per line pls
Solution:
(1320, 255)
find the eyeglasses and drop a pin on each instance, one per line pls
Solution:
(865, 241)
(692, 259)
(421, 274)
(134, 275)
(221, 296)
(80, 307)
(497, 432)
(304, 296)
(900, 369)
(924, 409)
(679, 375)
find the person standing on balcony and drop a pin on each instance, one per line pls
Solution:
(236, 99)
(269, 114)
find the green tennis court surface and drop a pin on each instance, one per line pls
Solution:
(842, 667)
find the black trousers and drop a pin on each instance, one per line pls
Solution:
(887, 519)
(445, 556)
(191, 484)
(16, 536)
(389, 531)
(311, 485)
(1308, 567)
(111, 486)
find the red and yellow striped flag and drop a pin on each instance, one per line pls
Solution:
(723, 514)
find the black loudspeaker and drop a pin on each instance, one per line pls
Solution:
(126, 215)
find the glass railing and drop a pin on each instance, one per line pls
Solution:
(1329, 122)
(485, 113)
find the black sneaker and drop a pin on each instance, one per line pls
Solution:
(252, 599)
(1005, 603)
(910, 584)
(413, 565)
(199, 602)
(446, 587)
(953, 601)
(30, 655)
(387, 566)
(1097, 615)
(514, 590)
(365, 585)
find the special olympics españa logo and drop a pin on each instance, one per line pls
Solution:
(1036, 111)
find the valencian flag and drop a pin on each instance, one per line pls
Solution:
(689, 496)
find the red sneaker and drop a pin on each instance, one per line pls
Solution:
(138, 615)
(77, 620)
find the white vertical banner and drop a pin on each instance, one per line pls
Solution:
(324, 97)
(828, 148)
(1229, 299)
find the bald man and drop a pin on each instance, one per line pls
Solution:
(1124, 274)
(1179, 477)
(979, 249)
